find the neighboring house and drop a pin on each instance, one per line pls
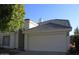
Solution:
(51, 35)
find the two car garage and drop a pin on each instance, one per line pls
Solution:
(46, 41)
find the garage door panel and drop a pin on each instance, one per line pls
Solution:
(46, 42)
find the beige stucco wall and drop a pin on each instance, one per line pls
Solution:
(29, 24)
(50, 41)
(14, 40)
(1, 37)
(68, 42)
(32, 24)
(25, 42)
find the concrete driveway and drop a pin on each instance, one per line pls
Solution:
(41, 53)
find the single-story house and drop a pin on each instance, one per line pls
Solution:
(51, 35)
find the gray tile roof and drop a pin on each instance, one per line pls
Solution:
(53, 24)
(58, 21)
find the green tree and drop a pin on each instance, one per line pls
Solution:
(75, 39)
(11, 17)
(76, 31)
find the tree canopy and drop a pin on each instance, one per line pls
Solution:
(76, 31)
(11, 17)
(75, 38)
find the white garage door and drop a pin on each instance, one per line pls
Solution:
(44, 42)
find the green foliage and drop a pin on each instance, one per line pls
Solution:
(74, 38)
(76, 31)
(11, 17)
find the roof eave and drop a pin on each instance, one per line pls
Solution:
(54, 30)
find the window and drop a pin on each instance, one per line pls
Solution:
(6, 40)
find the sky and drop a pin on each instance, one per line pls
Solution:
(53, 11)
